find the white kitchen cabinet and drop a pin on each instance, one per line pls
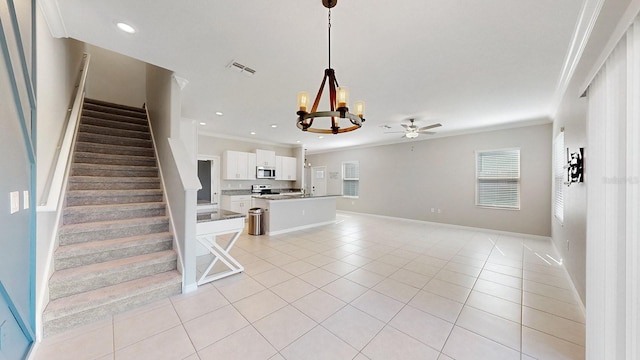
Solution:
(289, 168)
(286, 168)
(279, 172)
(237, 165)
(236, 203)
(265, 158)
(251, 166)
(234, 165)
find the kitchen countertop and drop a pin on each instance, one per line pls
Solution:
(293, 197)
(218, 214)
(248, 191)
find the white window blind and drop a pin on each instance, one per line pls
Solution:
(498, 178)
(350, 178)
(559, 163)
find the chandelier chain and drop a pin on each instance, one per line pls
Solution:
(329, 29)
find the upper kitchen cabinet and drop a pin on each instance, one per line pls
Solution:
(265, 158)
(286, 168)
(237, 165)
(251, 166)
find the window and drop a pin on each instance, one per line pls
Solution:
(350, 179)
(558, 177)
(498, 178)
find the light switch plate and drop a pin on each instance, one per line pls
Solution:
(15, 201)
(25, 199)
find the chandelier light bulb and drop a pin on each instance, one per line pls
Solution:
(342, 98)
(359, 108)
(303, 101)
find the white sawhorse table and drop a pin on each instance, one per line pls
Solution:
(206, 234)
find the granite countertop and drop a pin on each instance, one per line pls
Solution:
(248, 191)
(293, 197)
(218, 214)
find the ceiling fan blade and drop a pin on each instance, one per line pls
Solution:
(394, 132)
(429, 127)
(405, 126)
(426, 132)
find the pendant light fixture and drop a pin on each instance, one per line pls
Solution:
(338, 100)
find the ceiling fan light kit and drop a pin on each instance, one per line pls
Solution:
(411, 131)
(338, 100)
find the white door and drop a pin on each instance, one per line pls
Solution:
(319, 180)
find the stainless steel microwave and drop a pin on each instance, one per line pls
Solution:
(264, 172)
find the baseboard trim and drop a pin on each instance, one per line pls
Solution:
(453, 226)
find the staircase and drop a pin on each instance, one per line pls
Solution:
(115, 249)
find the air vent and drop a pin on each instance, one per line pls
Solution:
(237, 67)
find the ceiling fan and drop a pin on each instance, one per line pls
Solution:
(412, 130)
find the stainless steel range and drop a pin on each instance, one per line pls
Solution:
(263, 189)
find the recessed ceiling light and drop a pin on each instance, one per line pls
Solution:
(219, 113)
(126, 28)
(203, 123)
(320, 137)
(298, 141)
(253, 133)
(274, 126)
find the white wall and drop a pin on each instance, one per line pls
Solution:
(163, 105)
(406, 180)
(570, 237)
(115, 78)
(58, 65)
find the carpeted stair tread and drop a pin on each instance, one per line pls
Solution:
(65, 313)
(110, 105)
(107, 170)
(102, 130)
(95, 213)
(107, 230)
(107, 266)
(111, 196)
(100, 251)
(100, 148)
(88, 300)
(109, 159)
(93, 183)
(127, 118)
(138, 126)
(113, 224)
(113, 140)
(71, 281)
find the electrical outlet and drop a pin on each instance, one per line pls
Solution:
(433, 210)
(302, 212)
(567, 245)
(439, 211)
(15, 202)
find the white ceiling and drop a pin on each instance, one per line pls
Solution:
(466, 64)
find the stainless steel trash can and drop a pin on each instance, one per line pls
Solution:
(256, 221)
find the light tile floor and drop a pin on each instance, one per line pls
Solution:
(363, 288)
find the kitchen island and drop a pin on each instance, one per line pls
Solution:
(285, 213)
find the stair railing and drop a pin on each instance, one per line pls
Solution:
(53, 188)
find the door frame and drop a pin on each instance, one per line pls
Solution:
(215, 176)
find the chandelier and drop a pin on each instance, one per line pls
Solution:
(338, 100)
